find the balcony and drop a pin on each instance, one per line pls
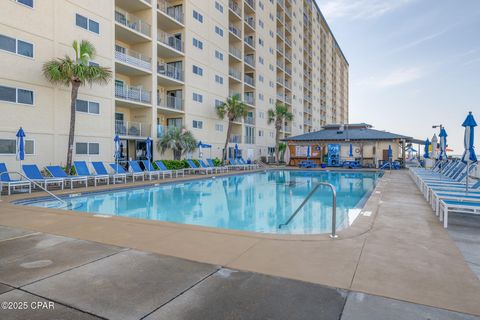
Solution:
(131, 29)
(235, 139)
(280, 17)
(132, 129)
(169, 46)
(307, 122)
(169, 75)
(170, 102)
(234, 73)
(287, 129)
(288, 71)
(280, 64)
(128, 59)
(235, 31)
(249, 80)
(169, 17)
(249, 140)
(250, 60)
(250, 41)
(251, 4)
(280, 33)
(235, 52)
(133, 94)
(235, 8)
(250, 21)
(249, 98)
(249, 120)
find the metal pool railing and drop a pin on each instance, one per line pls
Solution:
(333, 235)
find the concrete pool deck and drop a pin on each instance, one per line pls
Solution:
(397, 249)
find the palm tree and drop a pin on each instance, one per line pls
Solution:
(75, 72)
(278, 117)
(179, 140)
(234, 109)
(282, 147)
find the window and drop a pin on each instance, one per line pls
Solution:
(219, 31)
(87, 24)
(260, 78)
(219, 127)
(87, 148)
(16, 46)
(218, 79)
(261, 24)
(197, 70)
(9, 146)
(197, 43)
(197, 124)
(197, 16)
(260, 60)
(16, 95)
(197, 97)
(218, 103)
(260, 42)
(87, 106)
(28, 3)
(218, 6)
(260, 133)
(218, 55)
(91, 63)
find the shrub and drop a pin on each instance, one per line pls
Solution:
(175, 164)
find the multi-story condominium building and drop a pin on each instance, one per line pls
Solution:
(172, 63)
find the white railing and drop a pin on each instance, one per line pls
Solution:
(235, 73)
(250, 41)
(234, 7)
(170, 102)
(235, 139)
(250, 59)
(249, 98)
(235, 52)
(235, 31)
(132, 22)
(169, 71)
(174, 12)
(249, 120)
(249, 139)
(170, 40)
(249, 80)
(251, 3)
(133, 58)
(133, 94)
(132, 128)
(250, 21)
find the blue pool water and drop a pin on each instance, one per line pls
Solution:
(256, 202)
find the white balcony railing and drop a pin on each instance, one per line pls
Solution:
(249, 98)
(249, 140)
(176, 12)
(249, 80)
(233, 5)
(132, 22)
(169, 40)
(133, 58)
(250, 59)
(235, 31)
(235, 73)
(235, 52)
(170, 102)
(170, 71)
(131, 128)
(133, 94)
(235, 139)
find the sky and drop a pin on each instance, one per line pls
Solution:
(413, 63)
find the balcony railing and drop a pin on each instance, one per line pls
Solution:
(235, 139)
(169, 71)
(250, 41)
(288, 84)
(235, 31)
(280, 80)
(307, 122)
(131, 128)
(251, 3)
(234, 7)
(249, 80)
(280, 33)
(235, 73)
(250, 21)
(235, 52)
(249, 98)
(170, 102)
(249, 140)
(280, 64)
(280, 17)
(133, 58)
(250, 59)
(170, 40)
(280, 96)
(174, 12)
(249, 120)
(132, 22)
(288, 70)
(288, 41)
(133, 94)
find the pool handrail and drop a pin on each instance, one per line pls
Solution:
(333, 235)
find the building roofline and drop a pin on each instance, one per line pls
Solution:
(331, 32)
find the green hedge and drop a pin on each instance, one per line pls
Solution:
(182, 164)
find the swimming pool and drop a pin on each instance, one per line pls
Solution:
(256, 202)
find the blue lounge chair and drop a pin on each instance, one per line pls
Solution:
(120, 170)
(100, 169)
(81, 168)
(234, 165)
(11, 184)
(204, 165)
(164, 168)
(468, 206)
(33, 173)
(245, 163)
(135, 167)
(149, 167)
(212, 164)
(57, 172)
(195, 168)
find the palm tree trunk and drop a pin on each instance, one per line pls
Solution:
(177, 154)
(278, 126)
(229, 132)
(71, 133)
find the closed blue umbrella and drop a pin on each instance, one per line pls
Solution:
(351, 151)
(117, 154)
(390, 152)
(443, 144)
(20, 152)
(427, 150)
(236, 151)
(469, 155)
(148, 143)
(308, 152)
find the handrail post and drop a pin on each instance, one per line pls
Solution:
(333, 235)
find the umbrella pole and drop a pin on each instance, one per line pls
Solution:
(468, 173)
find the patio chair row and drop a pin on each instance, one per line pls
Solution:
(445, 188)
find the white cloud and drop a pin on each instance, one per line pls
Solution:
(359, 9)
(394, 78)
